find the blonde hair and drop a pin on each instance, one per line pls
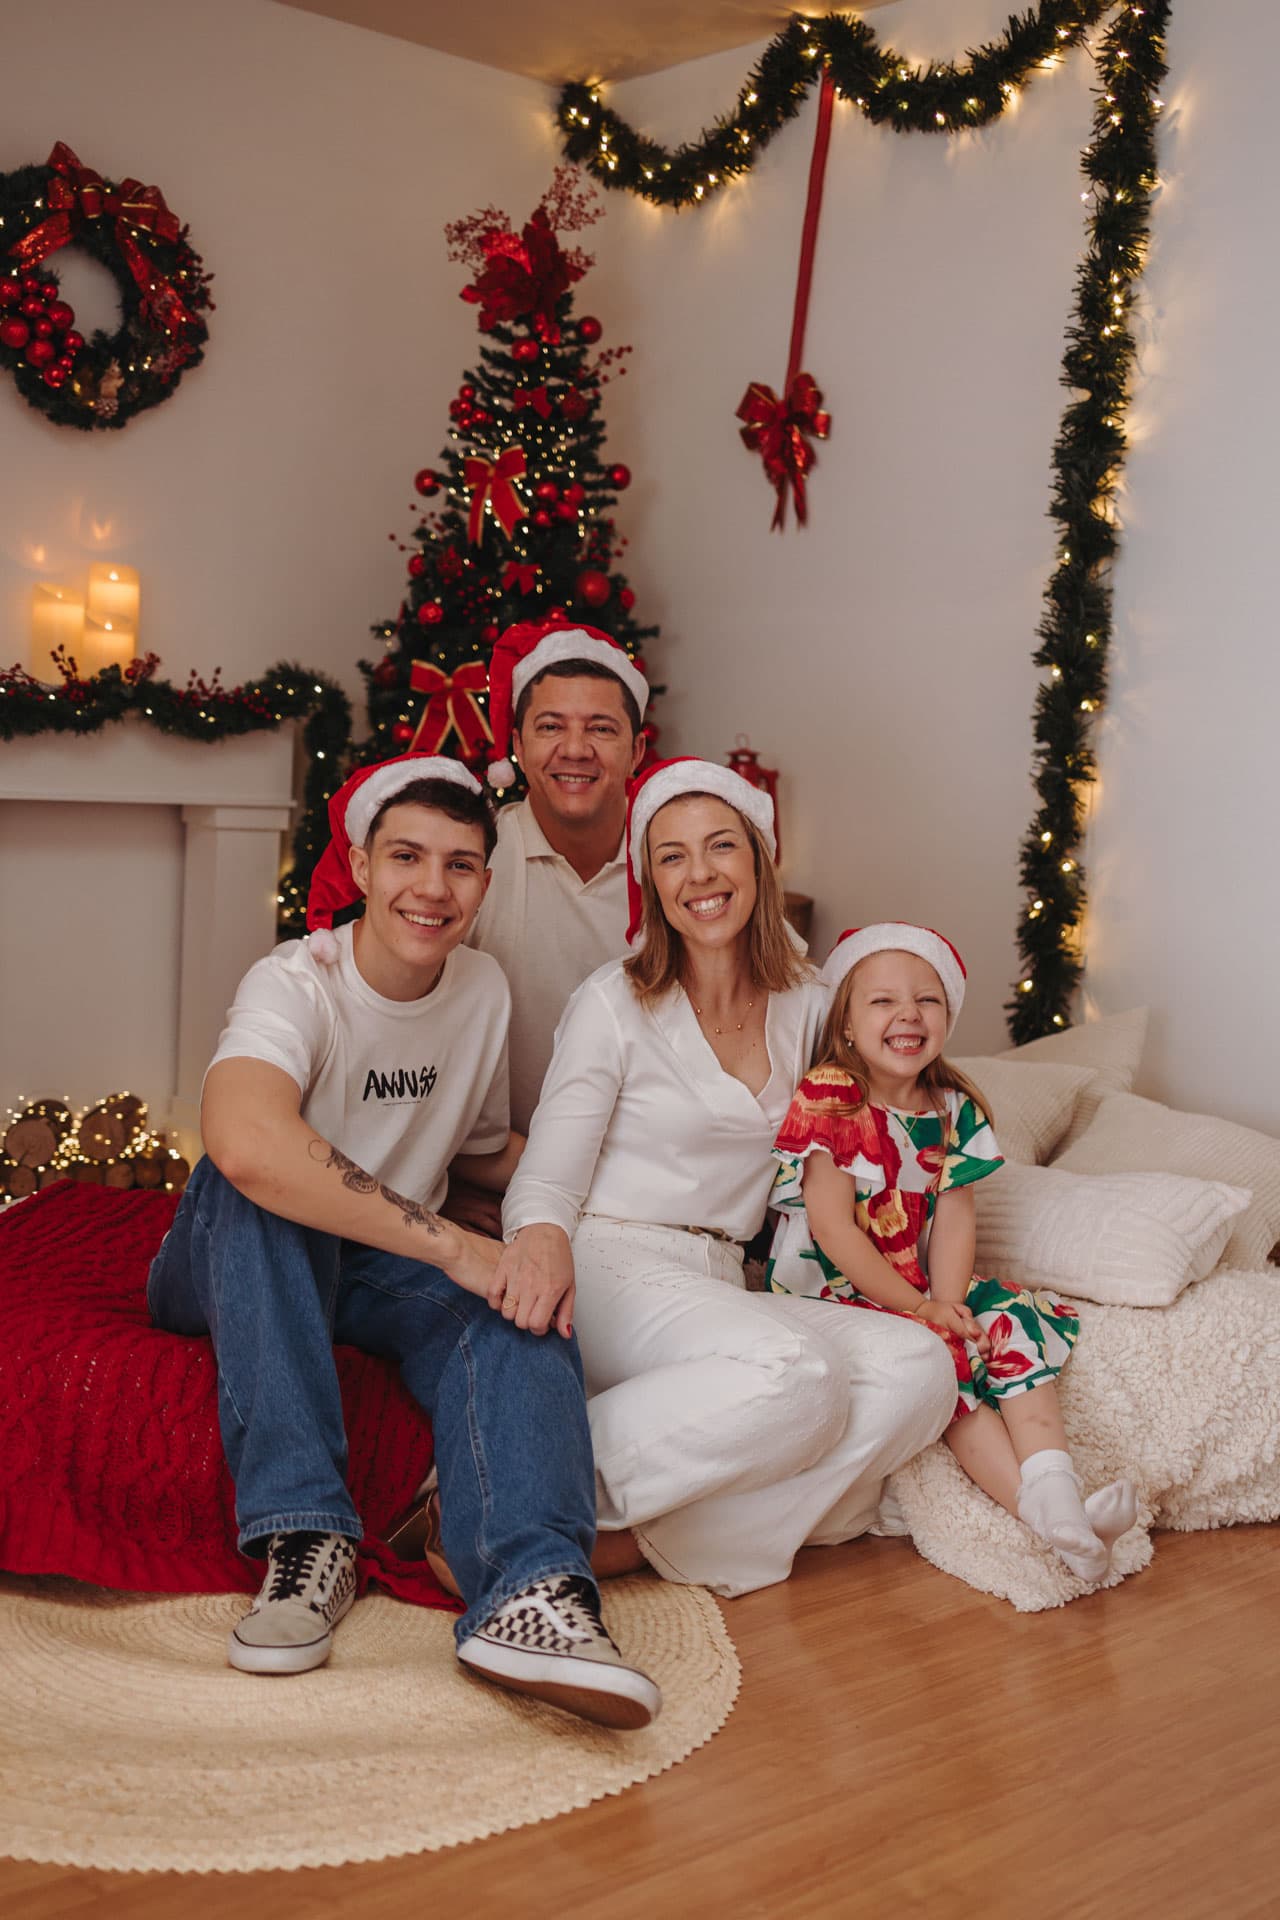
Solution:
(774, 962)
(836, 1050)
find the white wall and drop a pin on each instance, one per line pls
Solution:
(882, 657)
(317, 165)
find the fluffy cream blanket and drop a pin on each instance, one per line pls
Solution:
(1184, 1399)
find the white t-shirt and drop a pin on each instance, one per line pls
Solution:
(399, 1085)
(639, 1121)
(548, 930)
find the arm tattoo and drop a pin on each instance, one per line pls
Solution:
(412, 1213)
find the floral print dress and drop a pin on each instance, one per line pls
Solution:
(899, 1163)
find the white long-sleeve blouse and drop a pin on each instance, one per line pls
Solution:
(639, 1121)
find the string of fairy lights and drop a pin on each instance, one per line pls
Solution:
(1120, 173)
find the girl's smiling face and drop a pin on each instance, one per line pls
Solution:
(896, 1019)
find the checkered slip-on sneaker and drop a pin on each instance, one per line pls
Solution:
(310, 1584)
(550, 1641)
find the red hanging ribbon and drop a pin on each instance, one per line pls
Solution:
(495, 482)
(451, 706)
(524, 576)
(780, 429)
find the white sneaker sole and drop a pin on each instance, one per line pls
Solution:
(301, 1658)
(595, 1690)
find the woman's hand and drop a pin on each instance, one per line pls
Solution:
(948, 1316)
(532, 1284)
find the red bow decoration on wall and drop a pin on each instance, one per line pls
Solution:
(524, 277)
(451, 706)
(76, 194)
(494, 481)
(779, 429)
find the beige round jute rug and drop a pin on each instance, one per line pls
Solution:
(127, 1743)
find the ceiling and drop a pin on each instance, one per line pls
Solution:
(558, 40)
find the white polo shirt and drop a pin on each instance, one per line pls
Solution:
(548, 930)
(639, 1121)
(399, 1085)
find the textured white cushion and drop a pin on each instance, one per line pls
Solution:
(1031, 1104)
(1128, 1135)
(1122, 1239)
(1111, 1046)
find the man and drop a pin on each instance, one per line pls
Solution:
(354, 1069)
(559, 908)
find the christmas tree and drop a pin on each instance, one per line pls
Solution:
(519, 525)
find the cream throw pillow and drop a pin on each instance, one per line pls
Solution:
(1122, 1239)
(1128, 1134)
(1032, 1103)
(1111, 1046)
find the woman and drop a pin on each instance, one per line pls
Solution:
(729, 1427)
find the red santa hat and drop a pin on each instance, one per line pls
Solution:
(526, 650)
(900, 936)
(351, 814)
(668, 780)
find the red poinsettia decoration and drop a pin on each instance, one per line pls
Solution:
(523, 276)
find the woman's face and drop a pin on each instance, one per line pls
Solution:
(703, 868)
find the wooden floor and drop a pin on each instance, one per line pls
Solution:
(901, 1746)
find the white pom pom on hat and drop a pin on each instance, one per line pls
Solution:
(900, 936)
(524, 651)
(351, 814)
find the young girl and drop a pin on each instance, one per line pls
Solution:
(879, 1152)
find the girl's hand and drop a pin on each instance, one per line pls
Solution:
(950, 1317)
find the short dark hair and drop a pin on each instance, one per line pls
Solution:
(579, 670)
(442, 796)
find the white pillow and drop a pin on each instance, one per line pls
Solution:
(1122, 1239)
(1112, 1046)
(1032, 1104)
(1128, 1134)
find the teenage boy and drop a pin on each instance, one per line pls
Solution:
(570, 701)
(354, 1069)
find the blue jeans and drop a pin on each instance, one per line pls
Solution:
(513, 1449)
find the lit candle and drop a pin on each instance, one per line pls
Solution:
(107, 643)
(114, 595)
(57, 620)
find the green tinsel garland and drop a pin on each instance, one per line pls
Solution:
(207, 711)
(1120, 167)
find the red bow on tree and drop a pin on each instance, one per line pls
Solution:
(535, 397)
(494, 481)
(524, 277)
(779, 429)
(525, 577)
(451, 706)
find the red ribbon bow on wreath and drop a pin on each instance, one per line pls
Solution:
(451, 706)
(778, 430)
(78, 193)
(494, 481)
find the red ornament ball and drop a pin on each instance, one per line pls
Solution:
(626, 599)
(402, 733)
(593, 587)
(489, 633)
(41, 353)
(430, 613)
(10, 292)
(61, 315)
(386, 673)
(14, 332)
(542, 518)
(427, 482)
(546, 490)
(73, 342)
(525, 352)
(32, 307)
(466, 393)
(42, 329)
(417, 565)
(31, 283)
(575, 494)
(619, 477)
(54, 376)
(565, 510)
(589, 329)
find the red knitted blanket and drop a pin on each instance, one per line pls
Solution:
(111, 1465)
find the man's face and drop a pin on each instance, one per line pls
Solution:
(423, 876)
(576, 750)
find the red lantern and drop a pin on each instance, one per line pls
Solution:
(744, 760)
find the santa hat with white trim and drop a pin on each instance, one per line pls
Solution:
(526, 650)
(900, 936)
(670, 779)
(351, 814)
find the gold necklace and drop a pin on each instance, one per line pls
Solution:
(718, 1031)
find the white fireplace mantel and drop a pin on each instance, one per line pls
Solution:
(236, 798)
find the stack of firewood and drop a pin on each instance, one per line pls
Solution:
(110, 1145)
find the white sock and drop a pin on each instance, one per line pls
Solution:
(1049, 1503)
(1111, 1511)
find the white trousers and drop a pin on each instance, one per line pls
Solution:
(732, 1428)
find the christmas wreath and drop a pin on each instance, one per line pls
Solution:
(164, 291)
